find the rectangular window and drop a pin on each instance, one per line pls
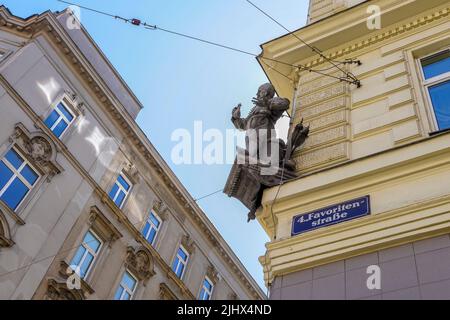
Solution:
(86, 254)
(436, 73)
(180, 262)
(17, 178)
(151, 229)
(207, 289)
(127, 287)
(120, 190)
(59, 119)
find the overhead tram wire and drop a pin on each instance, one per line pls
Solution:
(139, 23)
(335, 64)
(205, 196)
(314, 49)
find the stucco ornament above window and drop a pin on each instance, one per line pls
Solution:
(132, 173)
(39, 148)
(212, 273)
(140, 263)
(165, 293)
(103, 227)
(57, 290)
(188, 243)
(160, 208)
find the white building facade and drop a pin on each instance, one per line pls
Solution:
(82, 189)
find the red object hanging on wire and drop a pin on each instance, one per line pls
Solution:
(136, 22)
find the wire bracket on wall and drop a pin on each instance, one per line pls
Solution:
(349, 77)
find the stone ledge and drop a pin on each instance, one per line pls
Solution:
(390, 229)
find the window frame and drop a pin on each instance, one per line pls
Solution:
(121, 188)
(16, 174)
(185, 264)
(54, 107)
(95, 255)
(428, 83)
(203, 288)
(157, 217)
(125, 288)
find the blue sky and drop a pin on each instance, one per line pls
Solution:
(181, 81)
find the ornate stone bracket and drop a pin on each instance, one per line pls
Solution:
(39, 148)
(59, 291)
(160, 208)
(103, 227)
(233, 296)
(212, 274)
(165, 293)
(140, 263)
(188, 243)
(132, 173)
(5, 236)
(75, 102)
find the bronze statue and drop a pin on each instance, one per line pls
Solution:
(260, 123)
(266, 161)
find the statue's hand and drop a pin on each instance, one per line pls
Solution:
(237, 112)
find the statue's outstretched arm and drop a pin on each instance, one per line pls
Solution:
(239, 123)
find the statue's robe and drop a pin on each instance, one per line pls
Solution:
(261, 122)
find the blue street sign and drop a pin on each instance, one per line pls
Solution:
(331, 215)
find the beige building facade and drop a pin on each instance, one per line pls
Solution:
(83, 189)
(387, 141)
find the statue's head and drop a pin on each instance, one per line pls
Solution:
(266, 92)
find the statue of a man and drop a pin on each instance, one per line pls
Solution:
(270, 158)
(260, 123)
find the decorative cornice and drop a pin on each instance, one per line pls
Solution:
(419, 220)
(382, 36)
(422, 218)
